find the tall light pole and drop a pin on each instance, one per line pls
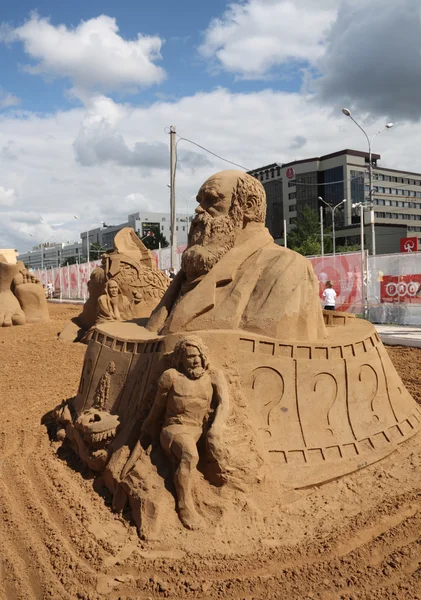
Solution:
(347, 113)
(87, 247)
(332, 210)
(360, 205)
(188, 200)
(322, 244)
(173, 162)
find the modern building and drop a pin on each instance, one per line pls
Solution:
(53, 255)
(341, 175)
(142, 223)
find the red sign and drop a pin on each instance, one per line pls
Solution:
(290, 172)
(401, 288)
(409, 244)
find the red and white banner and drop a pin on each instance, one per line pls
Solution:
(344, 271)
(401, 288)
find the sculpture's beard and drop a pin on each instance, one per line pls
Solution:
(210, 238)
(195, 372)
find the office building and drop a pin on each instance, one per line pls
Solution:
(142, 223)
(292, 186)
(54, 255)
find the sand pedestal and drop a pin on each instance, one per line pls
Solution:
(315, 411)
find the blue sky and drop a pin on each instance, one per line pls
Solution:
(84, 103)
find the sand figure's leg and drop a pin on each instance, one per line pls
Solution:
(184, 450)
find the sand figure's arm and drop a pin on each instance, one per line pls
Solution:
(214, 437)
(151, 426)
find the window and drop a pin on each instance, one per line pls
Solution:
(176, 228)
(381, 202)
(292, 220)
(184, 229)
(381, 190)
(387, 202)
(380, 177)
(292, 183)
(400, 179)
(387, 191)
(292, 207)
(394, 179)
(292, 195)
(388, 215)
(387, 177)
(278, 171)
(406, 180)
(394, 191)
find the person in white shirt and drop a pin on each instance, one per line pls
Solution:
(329, 296)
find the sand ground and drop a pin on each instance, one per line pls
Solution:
(356, 538)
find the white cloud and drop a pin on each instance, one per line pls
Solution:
(373, 59)
(92, 55)
(253, 37)
(7, 197)
(100, 142)
(281, 127)
(7, 99)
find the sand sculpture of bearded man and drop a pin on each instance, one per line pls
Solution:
(312, 396)
(233, 275)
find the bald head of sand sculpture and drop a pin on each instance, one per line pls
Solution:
(233, 274)
(312, 396)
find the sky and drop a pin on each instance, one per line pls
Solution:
(88, 91)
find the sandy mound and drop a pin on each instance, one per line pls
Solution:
(355, 538)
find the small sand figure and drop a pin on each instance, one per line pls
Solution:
(113, 306)
(329, 296)
(184, 398)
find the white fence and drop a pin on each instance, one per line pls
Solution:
(71, 282)
(390, 286)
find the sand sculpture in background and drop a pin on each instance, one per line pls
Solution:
(22, 297)
(312, 395)
(139, 285)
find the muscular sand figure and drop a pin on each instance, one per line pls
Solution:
(184, 401)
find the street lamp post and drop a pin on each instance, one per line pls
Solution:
(188, 200)
(332, 210)
(360, 205)
(347, 113)
(322, 244)
(87, 248)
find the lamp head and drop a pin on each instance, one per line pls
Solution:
(320, 198)
(346, 112)
(389, 125)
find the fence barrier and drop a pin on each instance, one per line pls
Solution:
(387, 288)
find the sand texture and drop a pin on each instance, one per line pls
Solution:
(355, 538)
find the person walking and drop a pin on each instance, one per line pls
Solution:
(329, 296)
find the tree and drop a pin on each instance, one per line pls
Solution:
(95, 251)
(154, 238)
(305, 237)
(72, 260)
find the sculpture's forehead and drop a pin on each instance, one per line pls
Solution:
(225, 182)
